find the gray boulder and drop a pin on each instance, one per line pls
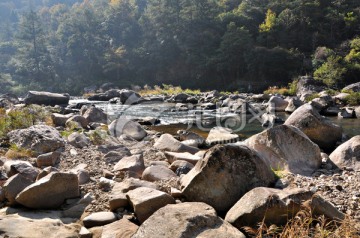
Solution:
(319, 129)
(190, 219)
(224, 175)
(347, 154)
(48, 159)
(46, 98)
(60, 119)
(50, 191)
(130, 128)
(40, 139)
(77, 121)
(286, 148)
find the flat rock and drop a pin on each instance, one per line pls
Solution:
(50, 191)
(99, 219)
(133, 165)
(224, 175)
(157, 173)
(28, 227)
(117, 155)
(119, 229)
(286, 148)
(347, 154)
(46, 98)
(167, 142)
(40, 139)
(221, 135)
(319, 129)
(185, 156)
(145, 201)
(190, 219)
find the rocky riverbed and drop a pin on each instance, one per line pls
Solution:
(77, 175)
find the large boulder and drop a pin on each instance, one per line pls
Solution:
(130, 128)
(46, 98)
(94, 114)
(277, 104)
(221, 135)
(225, 174)
(146, 201)
(190, 219)
(308, 85)
(347, 154)
(129, 97)
(355, 87)
(50, 191)
(275, 206)
(40, 139)
(319, 129)
(167, 142)
(110, 94)
(14, 185)
(286, 148)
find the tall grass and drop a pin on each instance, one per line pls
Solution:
(305, 225)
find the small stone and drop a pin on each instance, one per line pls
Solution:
(99, 219)
(85, 233)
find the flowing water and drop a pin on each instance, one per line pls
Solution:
(199, 121)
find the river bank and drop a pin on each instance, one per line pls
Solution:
(93, 170)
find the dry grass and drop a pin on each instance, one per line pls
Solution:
(18, 153)
(304, 225)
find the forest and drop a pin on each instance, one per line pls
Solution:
(243, 45)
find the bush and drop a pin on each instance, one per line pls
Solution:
(167, 89)
(21, 118)
(353, 99)
(286, 91)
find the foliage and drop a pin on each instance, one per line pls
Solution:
(98, 136)
(286, 91)
(269, 22)
(21, 118)
(228, 45)
(353, 99)
(311, 97)
(331, 72)
(15, 152)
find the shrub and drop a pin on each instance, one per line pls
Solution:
(311, 97)
(353, 99)
(167, 89)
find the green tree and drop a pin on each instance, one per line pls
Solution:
(331, 72)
